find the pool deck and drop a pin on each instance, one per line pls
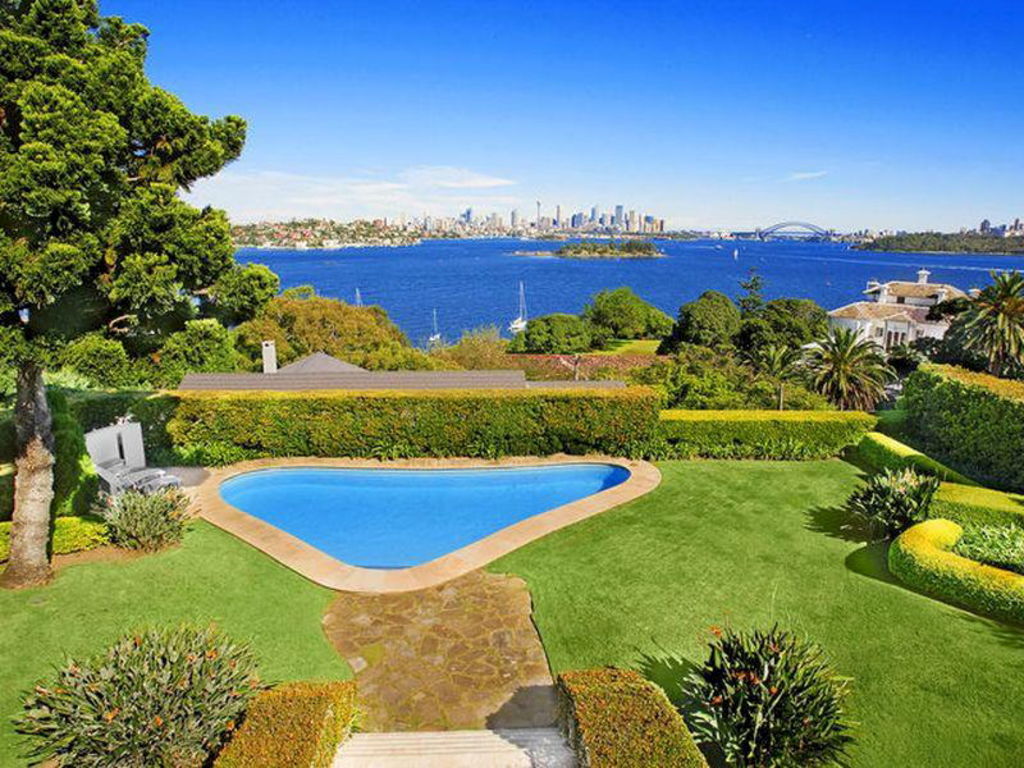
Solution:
(323, 569)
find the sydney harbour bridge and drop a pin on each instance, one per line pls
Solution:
(789, 230)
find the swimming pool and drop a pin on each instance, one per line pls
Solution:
(397, 518)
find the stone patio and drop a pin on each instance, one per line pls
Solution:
(462, 655)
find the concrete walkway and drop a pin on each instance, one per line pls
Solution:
(464, 655)
(512, 748)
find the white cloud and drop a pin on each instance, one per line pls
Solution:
(805, 175)
(269, 195)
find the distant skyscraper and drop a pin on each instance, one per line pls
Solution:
(558, 215)
(593, 214)
(468, 216)
(514, 219)
(618, 216)
(538, 214)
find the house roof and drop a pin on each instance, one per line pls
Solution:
(911, 290)
(320, 362)
(872, 310)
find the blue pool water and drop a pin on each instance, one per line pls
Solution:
(391, 518)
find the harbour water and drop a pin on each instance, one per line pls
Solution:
(474, 283)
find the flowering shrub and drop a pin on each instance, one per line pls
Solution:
(894, 500)
(159, 697)
(146, 521)
(768, 699)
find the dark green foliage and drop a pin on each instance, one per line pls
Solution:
(965, 242)
(791, 323)
(762, 434)
(102, 360)
(202, 346)
(699, 378)
(971, 505)
(624, 315)
(769, 698)
(558, 334)
(157, 698)
(447, 423)
(617, 719)
(971, 421)
(879, 451)
(242, 292)
(602, 249)
(1001, 546)
(296, 725)
(849, 370)
(893, 500)
(145, 521)
(710, 321)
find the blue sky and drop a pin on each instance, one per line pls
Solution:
(710, 114)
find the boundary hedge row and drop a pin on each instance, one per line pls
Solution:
(972, 421)
(70, 534)
(296, 725)
(221, 427)
(921, 557)
(971, 505)
(763, 434)
(617, 719)
(880, 452)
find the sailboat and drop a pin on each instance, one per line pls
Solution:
(519, 324)
(735, 254)
(359, 298)
(434, 338)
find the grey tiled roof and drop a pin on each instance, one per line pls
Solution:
(320, 362)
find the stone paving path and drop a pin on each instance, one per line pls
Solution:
(462, 655)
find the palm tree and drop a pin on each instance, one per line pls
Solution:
(849, 370)
(778, 362)
(995, 322)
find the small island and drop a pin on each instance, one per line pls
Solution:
(609, 249)
(940, 242)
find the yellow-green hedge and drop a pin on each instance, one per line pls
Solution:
(971, 421)
(617, 719)
(921, 557)
(763, 434)
(967, 504)
(218, 427)
(70, 534)
(880, 452)
(296, 725)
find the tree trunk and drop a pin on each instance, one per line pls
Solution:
(29, 562)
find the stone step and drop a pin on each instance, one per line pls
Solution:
(505, 748)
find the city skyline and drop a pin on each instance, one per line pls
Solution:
(717, 116)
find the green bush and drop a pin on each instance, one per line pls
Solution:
(1001, 546)
(70, 534)
(617, 719)
(969, 505)
(763, 434)
(102, 361)
(157, 697)
(893, 500)
(145, 521)
(880, 452)
(476, 423)
(296, 725)
(971, 421)
(558, 334)
(769, 699)
(922, 558)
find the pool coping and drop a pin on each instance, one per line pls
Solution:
(321, 568)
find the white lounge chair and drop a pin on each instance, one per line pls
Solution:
(118, 454)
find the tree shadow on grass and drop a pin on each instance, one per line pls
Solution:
(872, 560)
(839, 523)
(1008, 635)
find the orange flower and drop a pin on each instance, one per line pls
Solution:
(716, 630)
(231, 725)
(158, 721)
(108, 716)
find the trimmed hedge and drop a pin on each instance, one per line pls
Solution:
(221, 427)
(70, 534)
(880, 452)
(296, 725)
(971, 505)
(972, 421)
(763, 434)
(75, 482)
(617, 719)
(921, 558)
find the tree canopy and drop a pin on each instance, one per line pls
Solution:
(624, 315)
(557, 334)
(712, 320)
(785, 322)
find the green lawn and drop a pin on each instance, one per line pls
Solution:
(211, 577)
(750, 543)
(630, 347)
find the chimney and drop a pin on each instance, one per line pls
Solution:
(269, 357)
(873, 284)
(923, 275)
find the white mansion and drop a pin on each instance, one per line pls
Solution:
(897, 312)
